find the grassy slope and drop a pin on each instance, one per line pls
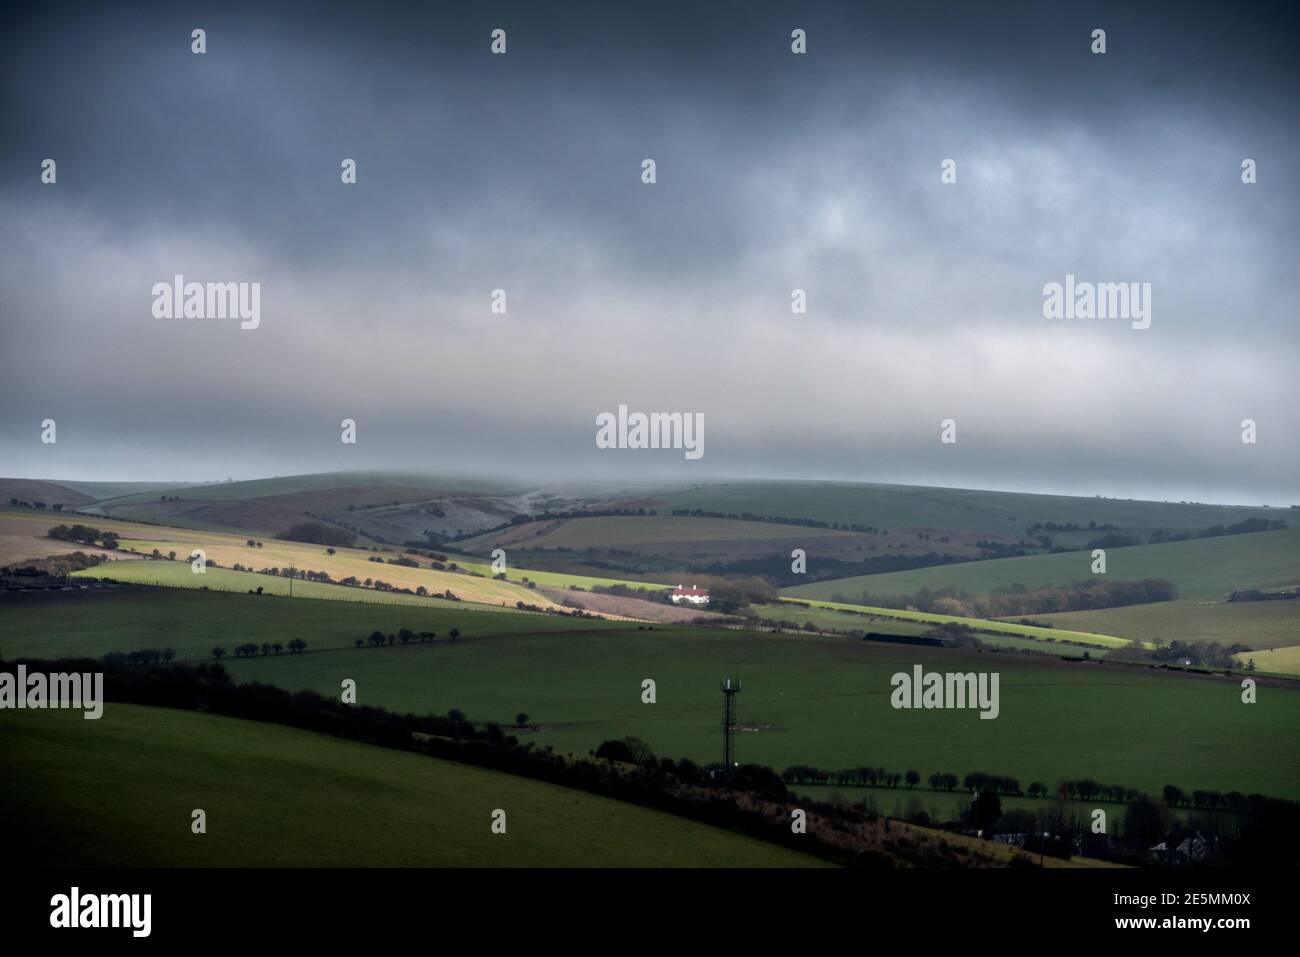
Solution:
(66, 624)
(889, 506)
(1259, 624)
(1283, 661)
(228, 549)
(288, 484)
(1201, 568)
(103, 490)
(119, 791)
(558, 579)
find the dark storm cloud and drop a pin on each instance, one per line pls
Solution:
(775, 172)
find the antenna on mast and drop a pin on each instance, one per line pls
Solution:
(730, 688)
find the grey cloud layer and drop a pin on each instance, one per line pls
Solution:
(775, 172)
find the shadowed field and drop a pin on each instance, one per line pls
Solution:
(120, 791)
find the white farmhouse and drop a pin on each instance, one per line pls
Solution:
(693, 595)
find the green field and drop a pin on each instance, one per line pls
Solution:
(833, 619)
(120, 791)
(825, 701)
(979, 624)
(1201, 568)
(69, 624)
(556, 579)
(1258, 624)
(1283, 661)
(839, 620)
(807, 699)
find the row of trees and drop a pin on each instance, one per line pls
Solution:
(1015, 600)
(975, 781)
(39, 506)
(1215, 531)
(251, 649)
(377, 639)
(1204, 800)
(1086, 789)
(141, 656)
(777, 520)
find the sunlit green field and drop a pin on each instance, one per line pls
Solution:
(825, 701)
(979, 624)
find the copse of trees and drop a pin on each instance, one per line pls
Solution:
(317, 533)
(776, 567)
(53, 566)
(1200, 653)
(1086, 789)
(85, 534)
(141, 656)
(993, 783)
(942, 781)
(378, 639)
(629, 750)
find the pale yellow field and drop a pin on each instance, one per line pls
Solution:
(24, 534)
(226, 550)
(1282, 661)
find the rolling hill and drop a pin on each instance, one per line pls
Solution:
(914, 506)
(1256, 624)
(282, 797)
(1201, 568)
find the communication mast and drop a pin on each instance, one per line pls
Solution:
(730, 688)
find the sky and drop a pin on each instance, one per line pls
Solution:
(775, 171)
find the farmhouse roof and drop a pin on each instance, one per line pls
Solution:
(689, 591)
